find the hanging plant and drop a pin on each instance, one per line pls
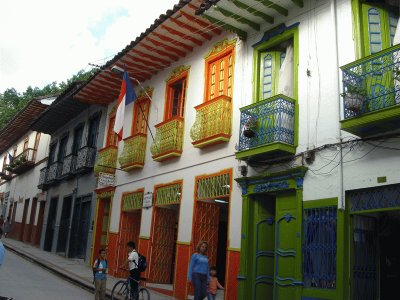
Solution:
(250, 128)
(354, 97)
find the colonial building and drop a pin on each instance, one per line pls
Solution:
(23, 153)
(76, 131)
(319, 132)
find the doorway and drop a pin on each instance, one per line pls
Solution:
(80, 227)
(102, 225)
(31, 221)
(129, 231)
(38, 231)
(23, 223)
(64, 225)
(375, 255)
(164, 237)
(51, 224)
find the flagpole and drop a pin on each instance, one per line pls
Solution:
(144, 115)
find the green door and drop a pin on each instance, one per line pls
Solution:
(288, 245)
(264, 228)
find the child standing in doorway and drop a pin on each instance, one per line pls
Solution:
(213, 285)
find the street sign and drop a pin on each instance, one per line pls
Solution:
(148, 200)
(105, 179)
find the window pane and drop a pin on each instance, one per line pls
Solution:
(319, 247)
(267, 76)
(393, 20)
(374, 30)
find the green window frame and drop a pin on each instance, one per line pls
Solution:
(268, 47)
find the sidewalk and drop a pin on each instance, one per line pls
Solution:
(73, 270)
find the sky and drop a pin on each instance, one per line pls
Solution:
(43, 41)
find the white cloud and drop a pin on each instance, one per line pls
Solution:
(45, 40)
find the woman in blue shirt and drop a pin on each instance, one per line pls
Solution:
(199, 271)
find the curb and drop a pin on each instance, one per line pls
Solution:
(86, 286)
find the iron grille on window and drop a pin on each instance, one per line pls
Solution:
(319, 247)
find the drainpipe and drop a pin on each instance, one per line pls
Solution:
(341, 196)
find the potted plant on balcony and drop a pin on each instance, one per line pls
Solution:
(250, 127)
(8, 168)
(354, 97)
(22, 159)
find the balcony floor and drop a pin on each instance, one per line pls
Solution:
(373, 123)
(268, 151)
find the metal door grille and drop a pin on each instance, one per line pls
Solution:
(213, 186)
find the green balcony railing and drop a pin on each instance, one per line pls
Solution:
(213, 122)
(267, 128)
(169, 139)
(134, 152)
(106, 160)
(372, 83)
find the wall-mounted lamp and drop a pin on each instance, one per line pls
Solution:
(227, 186)
(117, 70)
(220, 201)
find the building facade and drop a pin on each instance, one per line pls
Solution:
(76, 131)
(23, 153)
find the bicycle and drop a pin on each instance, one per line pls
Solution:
(122, 290)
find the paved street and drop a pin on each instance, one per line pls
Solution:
(22, 279)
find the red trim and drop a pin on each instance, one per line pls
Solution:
(182, 35)
(104, 189)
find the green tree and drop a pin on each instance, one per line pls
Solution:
(11, 102)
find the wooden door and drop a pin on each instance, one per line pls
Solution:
(23, 223)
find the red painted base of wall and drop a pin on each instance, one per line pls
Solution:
(232, 271)
(36, 232)
(182, 265)
(15, 230)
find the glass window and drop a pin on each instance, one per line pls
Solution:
(93, 132)
(176, 94)
(140, 115)
(220, 77)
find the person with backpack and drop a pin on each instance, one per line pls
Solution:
(134, 271)
(100, 275)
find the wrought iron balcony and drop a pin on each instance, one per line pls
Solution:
(371, 93)
(134, 152)
(267, 128)
(85, 159)
(106, 160)
(42, 179)
(23, 162)
(53, 173)
(169, 139)
(68, 167)
(5, 175)
(213, 122)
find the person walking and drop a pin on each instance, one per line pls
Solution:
(132, 262)
(213, 285)
(7, 227)
(100, 276)
(2, 250)
(199, 271)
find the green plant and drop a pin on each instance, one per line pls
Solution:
(354, 90)
(22, 159)
(8, 168)
(396, 72)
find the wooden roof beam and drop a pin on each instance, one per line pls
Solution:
(254, 12)
(166, 63)
(299, 3)
(242, 34)
(145, 62)
(182, 35)
(279, 9)
(166, 47)
(172, 41)
(191, 28)
(238, 18)
(144, 69)
(163, 53)
(200, 22)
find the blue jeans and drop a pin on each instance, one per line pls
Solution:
(211, 296)
(200, 285)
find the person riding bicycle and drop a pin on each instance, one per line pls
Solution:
(132, 261)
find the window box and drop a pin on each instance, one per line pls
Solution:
(106, 160)
(134, 152)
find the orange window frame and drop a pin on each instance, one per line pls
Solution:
(140, 116)
(112, 137)
(170, 93)
(37, 139)
(26, 143)
(219, 74)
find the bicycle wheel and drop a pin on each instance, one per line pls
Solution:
(144, 294)
(120, 291)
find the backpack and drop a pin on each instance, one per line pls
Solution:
(142, 263)
(97, 266)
